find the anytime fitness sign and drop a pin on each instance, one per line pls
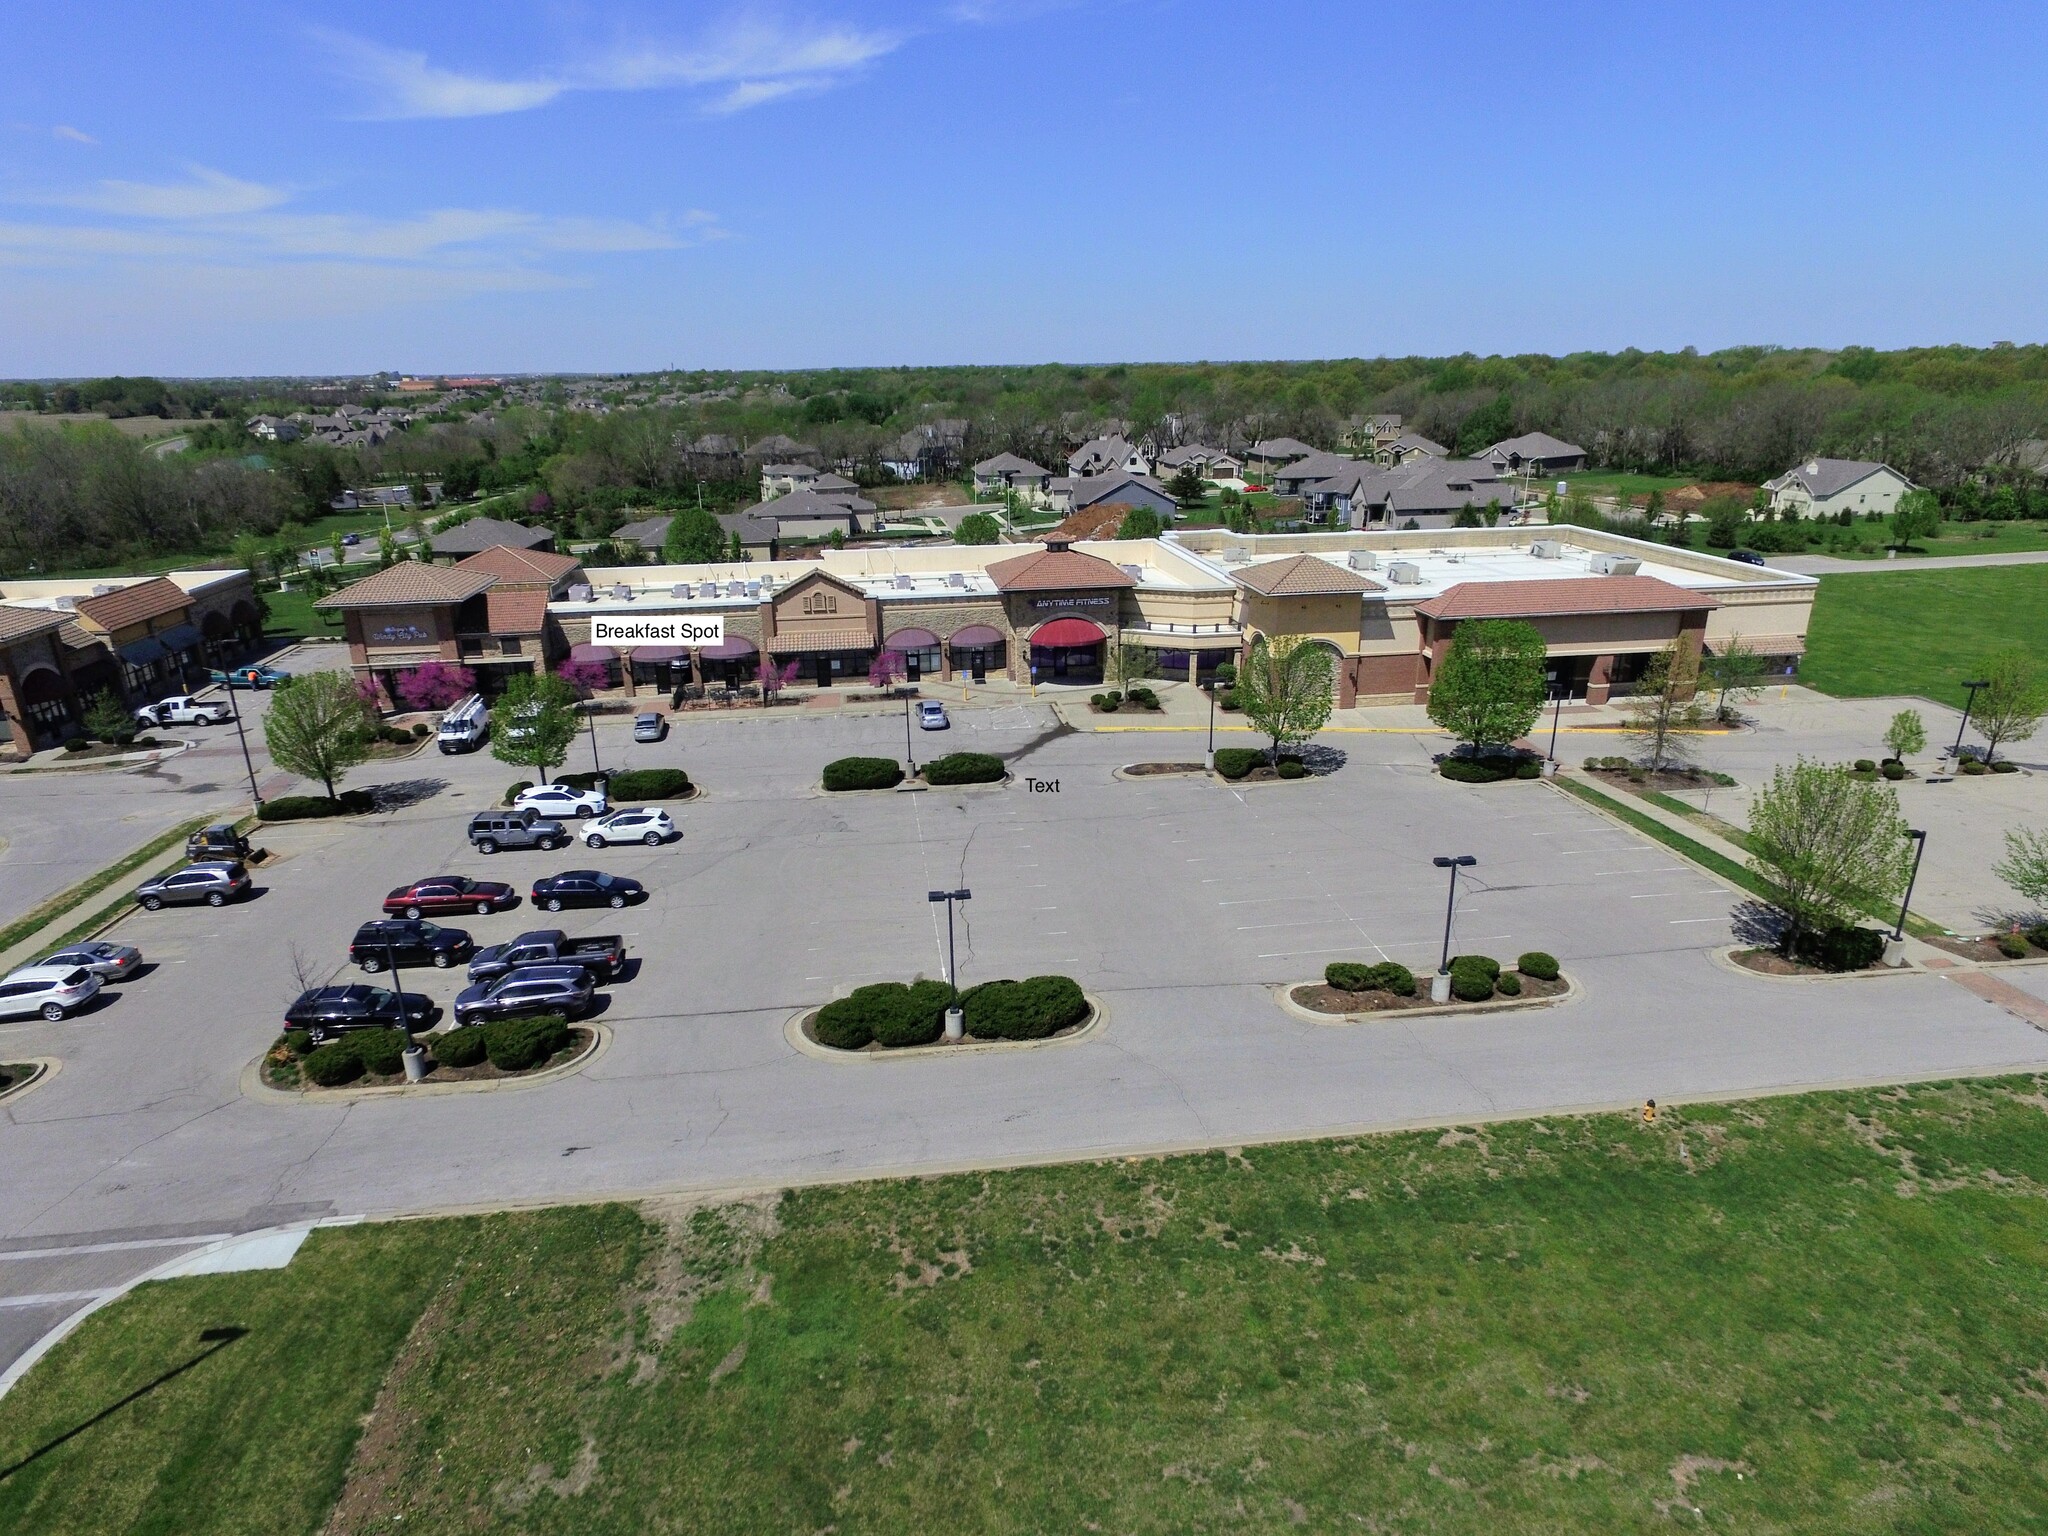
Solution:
(1042, 603)
(708, 630)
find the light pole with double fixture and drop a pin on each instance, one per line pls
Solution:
(1440, 984)
(956, 1020)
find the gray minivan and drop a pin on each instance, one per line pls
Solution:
(524, 828)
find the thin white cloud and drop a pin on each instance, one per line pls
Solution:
(74, 135)
(205, 193)
(749, 61)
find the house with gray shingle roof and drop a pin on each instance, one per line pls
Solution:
(1535, 453)
(1827, 487)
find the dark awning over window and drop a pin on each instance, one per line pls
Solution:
(976, 635)
(140, 653)
(588, 652)
(731, 648)
(912, 640)
(180, 637)
(659, 653)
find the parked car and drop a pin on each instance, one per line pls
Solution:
(532, 989)
(527, 828)
(183, 709)
(603, 955)
(408, 941)
(51, 990)
(250, 677)
(215, 882)
(561, 800)
(219, 843)
(931, 716)
(647, 824)
(109, 962)
(1746, 556)
(351, 540)
(585, 888)
(449, 893)
(649, 727)
(328, 1012)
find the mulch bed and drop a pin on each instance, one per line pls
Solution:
(809, 1026)
(1320, 997)
(1667, 782)
(15, 1075)
(1768, 962)
(580, 1041)
(1266, 772)
(1983, 950)
(1146, 770)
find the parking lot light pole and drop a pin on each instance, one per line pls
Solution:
(956, 1021)
(1210, 763)
(248, 762)
(1895, 951)
(1440, 984)
(909, 741)
(1556, 711)
(596, 766)
(1969, 703)
(415, 1055)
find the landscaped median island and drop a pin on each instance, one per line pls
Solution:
(18, 1074)
(1490, 766)
(629, 786)
(866, 773)
(1356, 987)
(1257, 765)
(893, 1015)
(502, 1048)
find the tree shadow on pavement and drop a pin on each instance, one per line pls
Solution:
(396, 797)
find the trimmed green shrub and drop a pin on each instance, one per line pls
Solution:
(1467, 770)
(964, 768)
(1291, 768)
(1392, 976)
(1865, 765)
(1485, 963)
(351, 802)
(579, 780)
(1616, 764)
(298, 1042)
(395, 736)
(1470, 983)
(77, 744)
(519, 787)
(514, 1045)
(332, 1065)
(1103, 702)
(1972, 767)
(1236, 762)
(1145, 698)
(2012, 946)
(1591, 765)
(462, 1047)
(634, 786)
(2038, 936)
(1023, 1010)
(421, 731)
(2004, 765)
(1348, 976)
(1529, 768)
(382, 1050)
(1508, 984)
(1226, 700)
(1841, 949)
(863, 773)
(886, 1012)
(1538, 965)
(1894, 770)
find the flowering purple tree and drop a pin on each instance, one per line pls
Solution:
(585, 676)
(540, 504)
(885, 668)
(776, 677)
(435, 685)
(371, 695)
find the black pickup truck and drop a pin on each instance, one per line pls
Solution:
(603, 955)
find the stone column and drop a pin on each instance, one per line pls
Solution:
(1597, 680)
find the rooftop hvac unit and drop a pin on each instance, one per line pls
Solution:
(1405, 573)
(1616, 565)
(680, 589)
(753, 589)
(623, 594)
(68, 604)
(1364, 560)
(1135, 572)
(735, 589)
(1547, 549)
(902, 583)
(956, 579)
(582, 593)
(101, 589)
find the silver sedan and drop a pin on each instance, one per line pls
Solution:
(109, 962)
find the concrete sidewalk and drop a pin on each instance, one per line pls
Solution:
(1830, 565)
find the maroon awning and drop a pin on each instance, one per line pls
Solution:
(912, 640)
(977, 634)
(588, 652)
(731, 648)
(1067, 632)
(659, 653)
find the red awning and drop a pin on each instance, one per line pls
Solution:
(912, 640)
(1072, 632)
(976, 635)
(587, 652)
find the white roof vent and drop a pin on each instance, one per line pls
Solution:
(1616, 565)
(956, 579)
(581, 593)
(753, 589)
(1405, 573)
(622, 593)
(1135, 572)
(68, 604)
(901, 583)
(1547, 549)
(1363, 560)
(680, 589)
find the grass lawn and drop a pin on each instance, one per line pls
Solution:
(1954, 539)
(292, 613)
(1920, 632)
(1821, 1314)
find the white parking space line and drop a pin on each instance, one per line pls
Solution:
(124, 1246)
(1676, 921)
(1655, 869)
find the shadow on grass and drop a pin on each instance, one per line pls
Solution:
(216, 1340)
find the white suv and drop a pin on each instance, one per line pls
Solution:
(559, 800)
(51, 990)
(647, 824)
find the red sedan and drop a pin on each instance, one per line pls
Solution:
(449, 893)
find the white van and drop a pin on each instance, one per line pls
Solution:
(465, 726)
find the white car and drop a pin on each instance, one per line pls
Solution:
(51, 990)
(931, 716)
(647, 824)
(558, 800)
(185, 710)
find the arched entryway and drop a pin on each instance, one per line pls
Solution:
(921, 653)
(1068, 650)
(977, 651)
(47, 706)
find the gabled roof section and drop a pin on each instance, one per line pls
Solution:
(1093, 490)
(484, 532)
(411, 585)
(1302, 576)
(520, 565)
(1009, 464)
(153, 599)
(1281, 448)
(21, 623)
(820, 578)
(1057, 570)
(1829, 477)
(517, 612)
(1534, 445)
(1568, 595)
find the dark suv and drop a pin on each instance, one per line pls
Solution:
(530, 990)
(404, 941)
(220, 841)
(328, 1012)
(523, 828)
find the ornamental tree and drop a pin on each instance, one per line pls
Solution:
(435, 685)
(1830, 844)
(978, 528)
(1666, 707)
(1490, 685)
(585, 677)
(2025, 865)
(318, 726)
(1917, 516)
(1735, 671)
(533, 722)
(1283, 688)
(2011, 702)
(1906, 734)
(885, 668)
(108, 719)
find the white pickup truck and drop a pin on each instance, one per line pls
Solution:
(183, 709)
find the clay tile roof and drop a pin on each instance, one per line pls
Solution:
(516, 612)
(410, 584)
(509, 564)
(1302, 576)
(151, 599)
(20, 623)
(1572, 594)
(1056, 570)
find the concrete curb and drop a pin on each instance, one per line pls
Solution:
(1724, 957)
(46, 1067)
(1124, 775)
(111, 764)
(793, 1032)
(1003, 783)
(253, 1086)
(1283, 996)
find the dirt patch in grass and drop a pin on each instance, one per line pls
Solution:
(1320, 997)
(1149, 770)
(372, 1494)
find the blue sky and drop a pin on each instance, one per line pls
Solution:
(291, 188)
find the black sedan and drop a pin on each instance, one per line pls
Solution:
(327, 1012)
(404, 941)
(585, 888)
(529, 991)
